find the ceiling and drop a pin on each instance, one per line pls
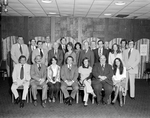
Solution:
(139, 9)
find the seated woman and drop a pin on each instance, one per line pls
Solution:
(119, 79)
(53, 79)
(85, 79)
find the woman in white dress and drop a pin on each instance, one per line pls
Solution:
(115, 53)
(53, 79)
(85, 79)
(119, 79)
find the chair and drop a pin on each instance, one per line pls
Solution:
(69, 88)
(3, 68)
(20, 88)
(147, 69)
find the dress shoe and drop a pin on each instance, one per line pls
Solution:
(43, 103)
(70, 101)
(104, 103)
(85, 104)
(49, 100)
(133, 98)
(17, 100)
(67, 100)
(35, 102)
(22, 104)
(53, 100)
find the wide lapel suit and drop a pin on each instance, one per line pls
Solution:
(108, 72)
(37, 52)
(15, 52)
(132, 61)
(96, 55)
(59, 56)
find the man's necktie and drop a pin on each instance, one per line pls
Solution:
(22, 72)
(41, 53)
(21, 49)
(129, 53)
(39, 67)
(103, 67)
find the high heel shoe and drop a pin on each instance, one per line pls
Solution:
(85, 104)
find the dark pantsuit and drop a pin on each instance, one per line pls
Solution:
(54, 88)
(34, 85)
(65, 91)
(98, 85)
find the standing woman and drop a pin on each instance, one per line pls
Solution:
(115, 53)
(70, 52)
(77, 48)
(119, 79)
(53, 79)
(85, 72)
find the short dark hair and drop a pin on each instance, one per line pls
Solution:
(22, 56)
(62, 39)
(101, 41)
(83, 62)
(69, 57)
(131, 41)
(54, 59)
(78, 43)
(123, 40)
(39, 42)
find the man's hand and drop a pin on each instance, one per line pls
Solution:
(102, 77)
(129, 68)
(69, 83)
(41, 81)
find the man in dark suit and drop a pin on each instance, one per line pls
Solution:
(69, 75)
(38, 75)
(55, 52)
(32, 46)
(106, 46)
(62, 45)
(102, 73)
(100, 51)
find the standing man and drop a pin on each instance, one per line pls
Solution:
(106, 46)
(87, 52)
(32, 46)
(38, 75)
(100, 51)
(131, 59)
(62, 45)
(69, 75)
(19, 49)
(21, 77)
(47, 45)
(55, 52)
(102, 73)
(40, 51)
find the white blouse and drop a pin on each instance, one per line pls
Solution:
(119, 76)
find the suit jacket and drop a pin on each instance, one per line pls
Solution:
(15, 52)
(67, 74)
(16, 72)
(89, 54)
(108, 72)
(132, 61)
(96, 55)
(30, 55)
(37, 52)
(59, 56)
(60, 48)
(37, 74)
(47, 46)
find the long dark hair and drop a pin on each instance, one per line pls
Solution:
(118, 50)
(83, 62)
(71, 45)
(120, 67)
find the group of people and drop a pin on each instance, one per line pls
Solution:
(55, 67)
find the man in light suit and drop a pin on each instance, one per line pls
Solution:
(40, 51)
(69, 75)
(21, 77)
(57, 53)
(47, 45)
(100, 51)
(38, 78)
(19, 49)
(102, 73)
(131, 59)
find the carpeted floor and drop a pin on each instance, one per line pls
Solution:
(138, 108)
